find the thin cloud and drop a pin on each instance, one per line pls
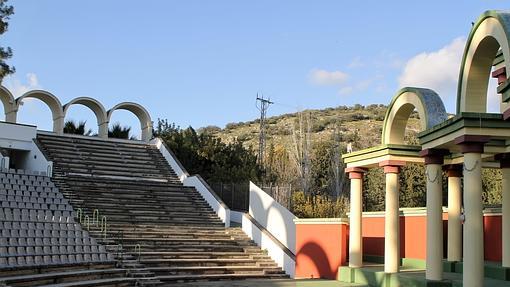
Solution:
(321, 77)
(17, 88)
(356, 63)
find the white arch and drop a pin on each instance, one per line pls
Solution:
(8, 102)
(140, 112)
(97, 108)
(490, 33)
(52, 102)
(428, 104)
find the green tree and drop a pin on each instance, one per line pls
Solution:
(5, 52)
(208, 156)
(70, 127)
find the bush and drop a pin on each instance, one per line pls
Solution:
(318, 206)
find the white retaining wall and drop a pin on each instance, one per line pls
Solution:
(278, 220)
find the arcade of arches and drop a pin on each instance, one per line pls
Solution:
(461, 146)
(59, 111)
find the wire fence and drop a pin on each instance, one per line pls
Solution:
(237, 195)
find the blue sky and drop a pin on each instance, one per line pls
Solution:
(203, 62)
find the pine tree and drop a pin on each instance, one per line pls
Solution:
(5, 52)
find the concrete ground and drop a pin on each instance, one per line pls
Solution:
(273, 283)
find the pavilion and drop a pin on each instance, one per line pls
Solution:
(461, 145)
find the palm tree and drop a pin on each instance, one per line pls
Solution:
(119, 132)
(71, 127)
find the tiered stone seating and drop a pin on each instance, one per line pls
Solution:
(39, 235)
(159, 229)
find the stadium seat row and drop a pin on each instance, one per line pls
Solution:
(46, 241)
(29, 225)
(53, 259)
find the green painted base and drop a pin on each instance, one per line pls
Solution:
(413, 274)
(491, 270)
(376, 277)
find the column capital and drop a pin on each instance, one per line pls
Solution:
(355, 172)
(453, 170)
(434, 156)
(392, 166)
(471, 143)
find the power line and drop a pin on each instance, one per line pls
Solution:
(262, 106)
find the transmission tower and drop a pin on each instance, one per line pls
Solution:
(262, 105)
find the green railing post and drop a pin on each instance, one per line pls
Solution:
(103, 226)
(87, 221)
(95, 217)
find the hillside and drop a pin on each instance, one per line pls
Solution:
(358, 124)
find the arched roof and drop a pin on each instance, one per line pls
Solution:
(140, 112)
(429, 105)
(490, 32)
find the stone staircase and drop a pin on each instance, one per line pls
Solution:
(160, 231)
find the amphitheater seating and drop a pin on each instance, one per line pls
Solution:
(39, 234)
(167, 232)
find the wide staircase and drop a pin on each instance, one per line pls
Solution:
(162, 232)
(42, 245)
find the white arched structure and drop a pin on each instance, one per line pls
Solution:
(97, 108)
(428, 104)
(490, 33)
(52, 102)
(140, 112)
(8, 102)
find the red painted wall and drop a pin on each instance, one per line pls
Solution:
(413, 236)
(492, 237)
(320, 249)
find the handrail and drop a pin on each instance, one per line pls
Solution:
(103, 226)
(271, 236)
(139, 251)
(95, 219)
(87, 220)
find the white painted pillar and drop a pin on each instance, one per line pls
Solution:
(355, 237)
(454, 222)
(473, 226)
(505, 222)
(391, 219)
(434, 181)
(103, 130)
(473, 263)
(58, 125)
(434, 223)
(10, 116)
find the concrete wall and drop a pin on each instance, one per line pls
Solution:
(274, 217)
(236, 216)
(321, 247)
(279, 253)
(20, 138)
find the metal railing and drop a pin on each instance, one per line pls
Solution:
(237, 195)
(84, 220)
